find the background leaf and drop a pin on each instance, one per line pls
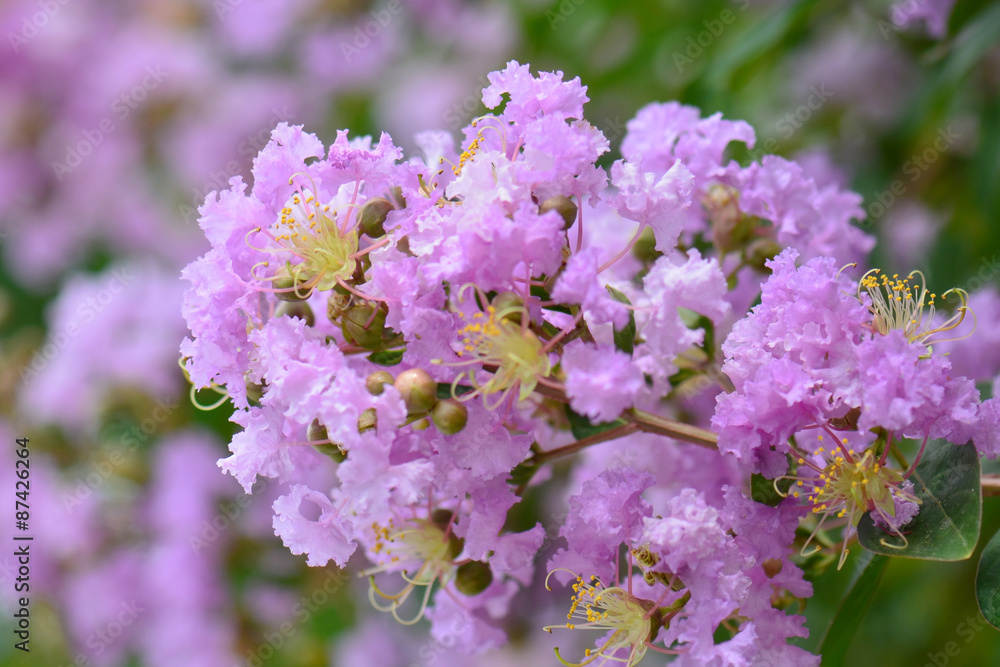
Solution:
(852, 611)
(582, 427)
(624, 337)
(988, 582)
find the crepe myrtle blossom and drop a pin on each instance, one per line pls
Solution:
(692, 571)
(408, 341)
(823, 354)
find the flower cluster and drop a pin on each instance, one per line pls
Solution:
(436, 329)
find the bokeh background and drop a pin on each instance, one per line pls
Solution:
(118, 118)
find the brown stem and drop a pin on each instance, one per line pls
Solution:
(650, 423)
(991, 485)
(572, 448)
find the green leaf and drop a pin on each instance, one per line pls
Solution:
(852, 611)
(387, 357)
(947, 481)
(624, 337)
(582, 428)
(444, 390)
(542, 294)
(522, 473)
(762, 489)
(988, 582)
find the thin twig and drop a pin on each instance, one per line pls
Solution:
(671, 428)
(583, 443)
(991, 485)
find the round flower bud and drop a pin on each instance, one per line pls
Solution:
(450, 416)
(336, 305)
(284, 282)
(644, 249)
(254, 393)
(473, 578)
(510, 304)
(731, 228)
(418, 389)
(299, 309)
(442, 517)
(318, 432)
(562, 205)
(398, 199)
(367, 420)
(371, 218)
(375, 383)
(760, 251)
(365, 327)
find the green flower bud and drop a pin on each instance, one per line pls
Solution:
(761, 251)
(365, 327)
(644, 249)
(450, 416)
(254, 393)
(418, 389)
(403, 246)
(318, 432)
(371, 218)
(505, 301)
(473, 578)
(367, 420)
(375, 383)
(562, 205)
(398, 199)
(441, 518)
(284, 282)
(299, 309)
(336, 305)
